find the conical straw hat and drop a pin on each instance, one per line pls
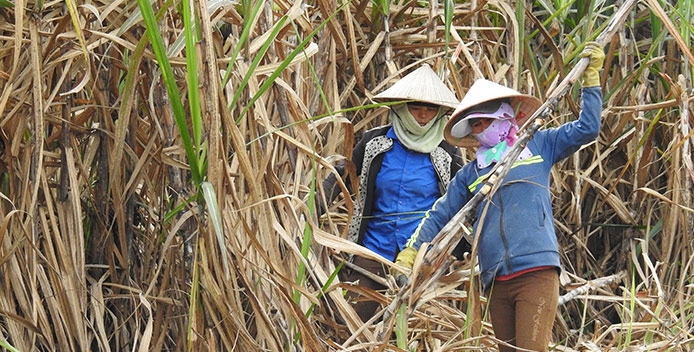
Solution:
(421, 85)
(483, 91)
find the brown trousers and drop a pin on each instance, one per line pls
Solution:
(364, 307)
(523, 309)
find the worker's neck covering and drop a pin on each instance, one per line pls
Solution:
(496, 140)
(412, 135)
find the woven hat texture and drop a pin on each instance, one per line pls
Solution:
(421, 85)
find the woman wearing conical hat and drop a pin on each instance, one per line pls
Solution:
(402, 168)
(518, 251)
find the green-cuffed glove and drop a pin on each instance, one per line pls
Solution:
(404, 259)
(591, 76)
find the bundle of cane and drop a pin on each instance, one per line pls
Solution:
(437, 258)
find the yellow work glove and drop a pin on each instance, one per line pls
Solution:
(405, 259)
(591, 76)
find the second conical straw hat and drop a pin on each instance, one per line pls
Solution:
(480, 92)
(421, 85)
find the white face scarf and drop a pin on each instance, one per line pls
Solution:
(423, 139)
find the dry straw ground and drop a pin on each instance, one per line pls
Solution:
(158, 166)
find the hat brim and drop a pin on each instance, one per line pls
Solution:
(446, 106)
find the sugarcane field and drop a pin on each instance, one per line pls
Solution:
(163, 168)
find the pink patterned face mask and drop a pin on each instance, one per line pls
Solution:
(503, 126)
(498, 130)
(498, 137)
(496, 141)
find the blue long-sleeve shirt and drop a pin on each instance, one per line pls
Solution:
(517, 230)
(407, 188)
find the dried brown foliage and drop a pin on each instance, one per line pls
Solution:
(106, 246)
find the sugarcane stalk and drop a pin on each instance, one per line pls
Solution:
(438, 256)
(378, 279)
(590, 285)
